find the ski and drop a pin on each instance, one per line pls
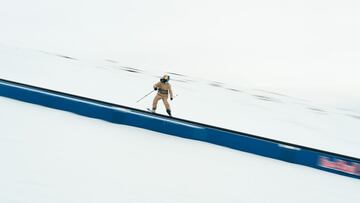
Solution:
(148, 109)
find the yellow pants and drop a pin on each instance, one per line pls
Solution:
(164, 98)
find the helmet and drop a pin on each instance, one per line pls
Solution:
(165, 78)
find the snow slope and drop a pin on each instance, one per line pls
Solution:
(53, 156)
(256, 111)
(270, 51)
(306, 48)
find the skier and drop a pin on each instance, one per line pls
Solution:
(164, 89)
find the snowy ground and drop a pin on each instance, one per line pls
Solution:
(306, 48)
(261, 112)
(283, 70)
(53, 156)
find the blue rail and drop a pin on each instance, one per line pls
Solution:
(319, 159)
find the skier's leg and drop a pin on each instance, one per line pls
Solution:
(155, 101)
(167, 105)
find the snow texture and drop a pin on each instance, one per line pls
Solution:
(279, 69)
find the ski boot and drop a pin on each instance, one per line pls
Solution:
(169, 112)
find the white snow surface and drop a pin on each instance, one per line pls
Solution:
(306, 48)
(286, 70)
(256, 111)
(54, 156)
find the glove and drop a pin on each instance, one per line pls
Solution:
(155, 88)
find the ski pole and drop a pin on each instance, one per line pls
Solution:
(145, 96)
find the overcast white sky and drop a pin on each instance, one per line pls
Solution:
(308, 47)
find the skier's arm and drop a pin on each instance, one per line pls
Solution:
(156, 86)
(171, 92)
